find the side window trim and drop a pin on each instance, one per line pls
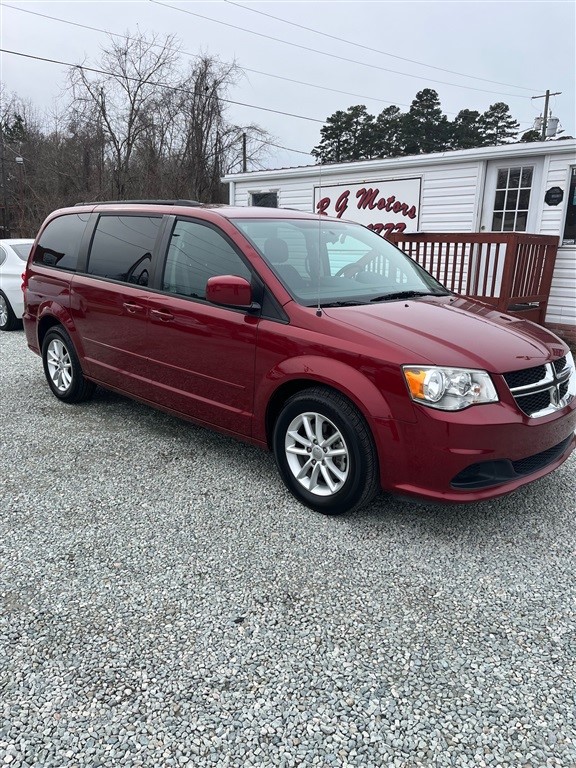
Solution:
(85, 243)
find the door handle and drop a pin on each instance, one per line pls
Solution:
(133, 308)
(162, 315)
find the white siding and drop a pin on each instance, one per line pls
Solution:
(449, 196)
(558, 175)
(562, 305)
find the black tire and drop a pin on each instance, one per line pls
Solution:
(325, 452)
(62, 368)
(8, 320)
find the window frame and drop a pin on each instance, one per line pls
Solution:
(505, 210)
(263, 195)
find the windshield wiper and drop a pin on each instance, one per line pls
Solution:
(407, 295)
(351, 303)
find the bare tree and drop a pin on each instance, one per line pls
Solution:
(164, 135)
(139, 127)
(122, 102)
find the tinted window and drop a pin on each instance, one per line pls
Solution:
(2, 256)
(196, 253)
(60, 242)
(22, 250)
(122, 248)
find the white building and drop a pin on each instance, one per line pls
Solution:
(525, 187)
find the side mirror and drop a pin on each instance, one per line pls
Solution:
(230, 291)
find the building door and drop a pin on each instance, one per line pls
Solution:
(511, 195)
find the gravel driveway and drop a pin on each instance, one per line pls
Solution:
(165, 602)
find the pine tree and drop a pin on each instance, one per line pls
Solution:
(531, 135)
(425, 128)
(346, 136)
(497, 124)
(386, 136)
(466, 130)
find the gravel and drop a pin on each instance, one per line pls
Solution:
(166, 602)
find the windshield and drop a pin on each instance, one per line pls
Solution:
(336, 262)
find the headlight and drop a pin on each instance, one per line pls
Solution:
(449, 389)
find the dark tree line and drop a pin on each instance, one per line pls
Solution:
(144, 127)
(357, 135)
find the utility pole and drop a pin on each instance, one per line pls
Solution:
(20, 163)
(5, 210)
(244, 155)
(546, 98)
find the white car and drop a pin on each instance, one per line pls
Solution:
(13, 255)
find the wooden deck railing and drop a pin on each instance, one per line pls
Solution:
(510, 271)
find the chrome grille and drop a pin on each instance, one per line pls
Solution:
(543, 389)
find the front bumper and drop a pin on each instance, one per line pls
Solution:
(480, 453)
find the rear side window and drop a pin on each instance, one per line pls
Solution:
(22, 250)
(198, 252)
(60, 242)
(122, 248)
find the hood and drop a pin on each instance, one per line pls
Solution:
(453, 332)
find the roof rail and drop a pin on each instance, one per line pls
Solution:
(191, 203)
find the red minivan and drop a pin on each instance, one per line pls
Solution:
(311, 336)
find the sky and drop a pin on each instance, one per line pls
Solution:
(304, 60)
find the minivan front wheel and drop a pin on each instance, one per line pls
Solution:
(62, 368)
(325, 452)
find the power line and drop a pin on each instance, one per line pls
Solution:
(172, 88)
(375, 50)
(195, 56)
(158, 85)
(330, 55)
(288, 149)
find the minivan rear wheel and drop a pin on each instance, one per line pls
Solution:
(62, 368)
(325, 452)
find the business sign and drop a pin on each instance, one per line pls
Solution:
(384, 206)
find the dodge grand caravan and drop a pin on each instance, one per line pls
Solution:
(311, 336)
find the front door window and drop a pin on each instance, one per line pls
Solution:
(512, 199)
(511, 191)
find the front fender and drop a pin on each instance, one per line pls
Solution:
(297, 373)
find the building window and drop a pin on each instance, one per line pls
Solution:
(265, 199)
(512, 199)
(570, 224)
